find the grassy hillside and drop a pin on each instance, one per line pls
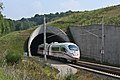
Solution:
(13, 42)
(63, 19)
(111, 17)
(27, 68)
(8, 25)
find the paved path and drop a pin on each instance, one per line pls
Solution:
(62, 67)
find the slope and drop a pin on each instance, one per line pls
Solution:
(28, 68)
(111, 17)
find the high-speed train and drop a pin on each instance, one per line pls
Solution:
(66, 50)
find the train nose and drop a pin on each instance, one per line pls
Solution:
(76, 53)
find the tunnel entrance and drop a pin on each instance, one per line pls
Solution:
(53, 34)
(50, 37)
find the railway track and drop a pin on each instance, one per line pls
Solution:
(98, 68)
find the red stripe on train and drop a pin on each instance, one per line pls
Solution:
(65, 54)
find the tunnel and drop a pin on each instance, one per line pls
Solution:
(39, 40)
(53, 34)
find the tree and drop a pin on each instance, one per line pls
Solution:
(1, 6)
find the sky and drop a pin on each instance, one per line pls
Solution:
(17, 9)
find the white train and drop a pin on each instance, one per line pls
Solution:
(66, 50)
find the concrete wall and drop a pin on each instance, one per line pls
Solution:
(90, 44)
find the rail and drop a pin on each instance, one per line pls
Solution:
(98, 68)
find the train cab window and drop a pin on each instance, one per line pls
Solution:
(73, 47)
(55, 48)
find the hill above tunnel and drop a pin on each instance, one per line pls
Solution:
(82, 18)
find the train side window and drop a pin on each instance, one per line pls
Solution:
(41, 48)
(55, 48)
(63, 49)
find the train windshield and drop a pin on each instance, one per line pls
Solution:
(73, 47)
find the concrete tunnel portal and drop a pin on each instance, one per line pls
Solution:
(53, 34)
(39, 40)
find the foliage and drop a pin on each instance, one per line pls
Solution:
(70, 77)
(27, 69)
(13, 42)
(3, 75)
(111, 17)
(8, 25)
(85, 75)
(13, 58)
(1, 6)
(82, 75)
(30, 69)
(63, 19)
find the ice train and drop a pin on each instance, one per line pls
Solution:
(66, 50)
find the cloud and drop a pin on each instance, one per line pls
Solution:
(70, 5)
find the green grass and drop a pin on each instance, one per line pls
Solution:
(14, 42)
(111, 17)
(82, 75)
(27, 68)
(4, 76)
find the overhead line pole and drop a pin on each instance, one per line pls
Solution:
(103, 38)
(45, 39)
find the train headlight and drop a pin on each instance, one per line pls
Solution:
(72, 54)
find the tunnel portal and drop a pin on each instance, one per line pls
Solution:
(53, 34)
(50, 37)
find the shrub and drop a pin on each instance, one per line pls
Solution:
(70, 77)
(13, 57)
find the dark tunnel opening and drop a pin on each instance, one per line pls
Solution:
(50, 37)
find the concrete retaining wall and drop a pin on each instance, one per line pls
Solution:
(91, 44)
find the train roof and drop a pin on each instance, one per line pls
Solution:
(64, 43)
(58, 44)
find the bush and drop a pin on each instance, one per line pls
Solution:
(70, 77)
(13, 58)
